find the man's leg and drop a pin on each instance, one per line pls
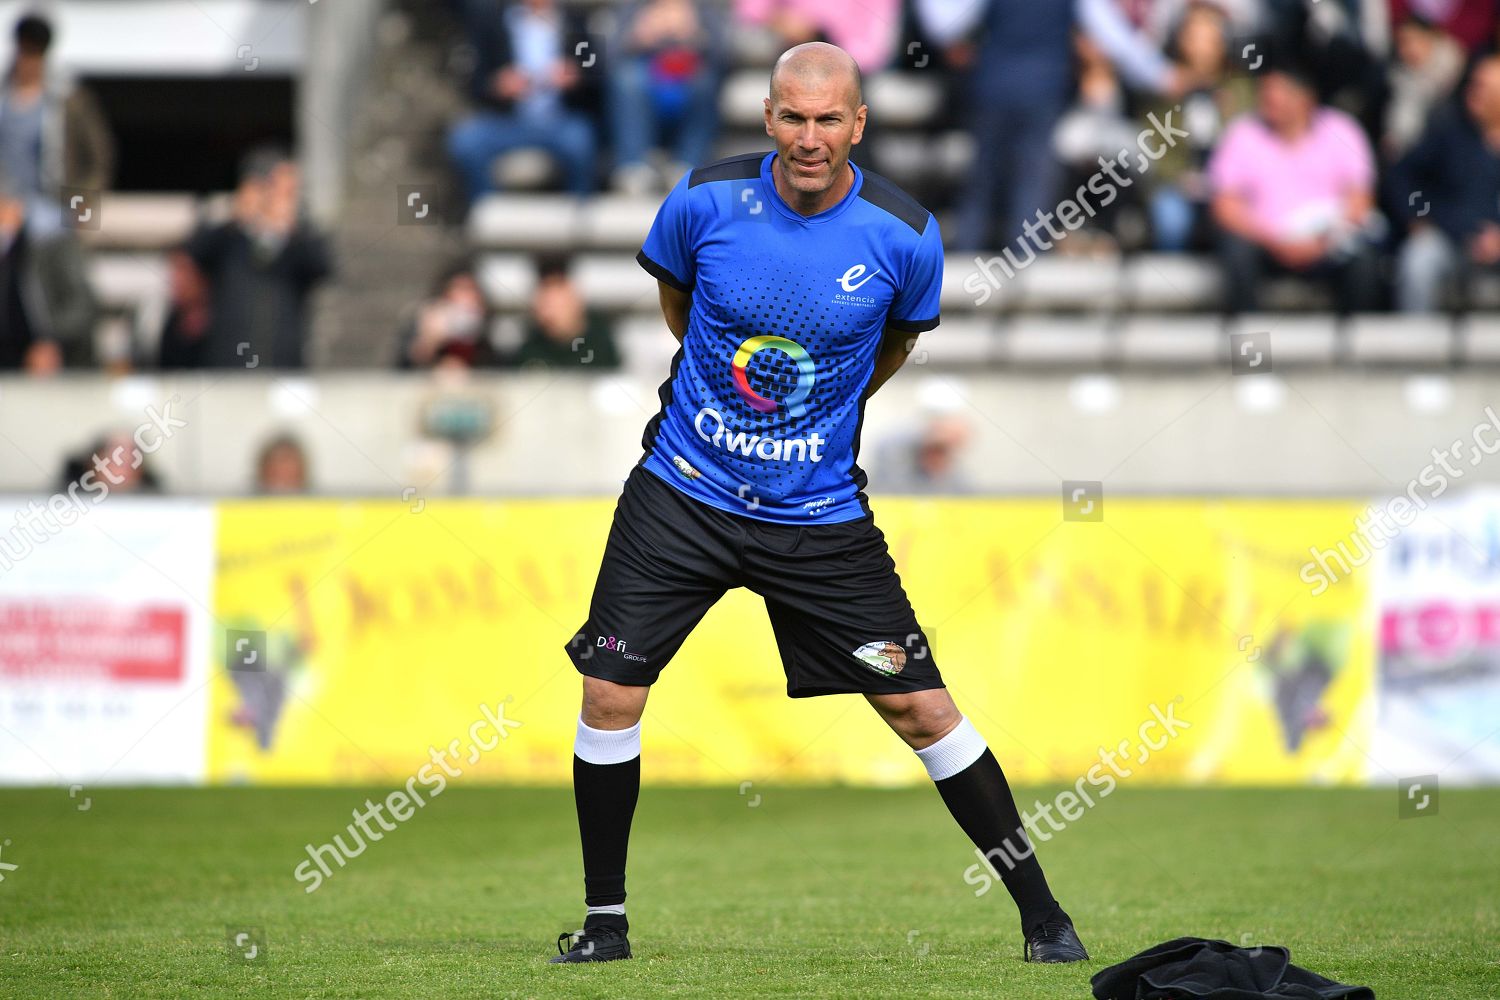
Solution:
(975, 791)
(667, 561)
(994, 160)
(570, 141)
(1356, 281)
(606, 784)
(1423, 268)
(1241, 263)
(473, 145)
(632, 116)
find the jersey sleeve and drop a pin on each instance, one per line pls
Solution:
(916, 307)
(668, 252)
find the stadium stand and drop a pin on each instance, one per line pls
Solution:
(371, 123)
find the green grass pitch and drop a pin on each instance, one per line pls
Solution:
(813, 892)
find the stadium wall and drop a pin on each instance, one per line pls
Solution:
(1306, 434)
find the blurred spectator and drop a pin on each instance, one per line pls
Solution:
(1428, 65)
(450, 328)
(527, 91)
(665, 66)
(184, 329)
(281, 467)
(260, 266)
(1471, 22)
(1449, 188)
(1293, 190)
(1095, 126)
(46, 306)
(563, 332)
(116, 464)
(1162, 19)
(866, 29)
(927, 461)
(475, 14)
(1348, 43)
(1216, 94)
(52, 134)
(1020, 81)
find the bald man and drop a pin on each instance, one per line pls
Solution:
(796, 284)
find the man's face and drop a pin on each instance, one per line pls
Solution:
(30, 65)
(1284, 102)
(12, 213)
(284, 183)
(814, 124)
(283, 471)
(1483, 95)
(121, 462)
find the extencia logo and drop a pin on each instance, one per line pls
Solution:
(850, 281)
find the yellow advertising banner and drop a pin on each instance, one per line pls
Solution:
(1171, 641)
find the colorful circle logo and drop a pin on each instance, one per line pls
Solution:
(806, 374)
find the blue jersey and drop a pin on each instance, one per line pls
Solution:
(762, 412)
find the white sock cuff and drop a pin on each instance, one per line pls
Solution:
(954, 752)
(607, 746)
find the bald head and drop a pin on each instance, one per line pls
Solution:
(819, 66)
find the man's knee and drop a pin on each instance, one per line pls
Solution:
(921, 718)
(574, 139)
(607, 705)
(470, 140)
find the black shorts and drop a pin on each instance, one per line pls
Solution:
(842, 621)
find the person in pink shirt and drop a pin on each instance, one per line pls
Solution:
(866, 29)
(1293, 189)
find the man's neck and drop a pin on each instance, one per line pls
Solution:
(1490, 133)
(812, 204)
(1294, 131)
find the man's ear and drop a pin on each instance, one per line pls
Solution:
(767, 102)
(859, 123)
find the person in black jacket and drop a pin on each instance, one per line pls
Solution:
(1446, 188)
(528, 87)
(47, 309)
(261, 267)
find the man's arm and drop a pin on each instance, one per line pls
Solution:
(1138, 62)
(675, 306)
(895, 346)
(1235, 216)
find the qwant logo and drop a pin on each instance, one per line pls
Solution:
(806, 374)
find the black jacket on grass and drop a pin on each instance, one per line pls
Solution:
(1197, 969)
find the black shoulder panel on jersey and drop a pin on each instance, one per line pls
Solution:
(735, 168)
(887, 196)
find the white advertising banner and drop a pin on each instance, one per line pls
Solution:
(1438, 601)
(104, 624)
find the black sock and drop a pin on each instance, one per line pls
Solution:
(979, 798)
(605, 795)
